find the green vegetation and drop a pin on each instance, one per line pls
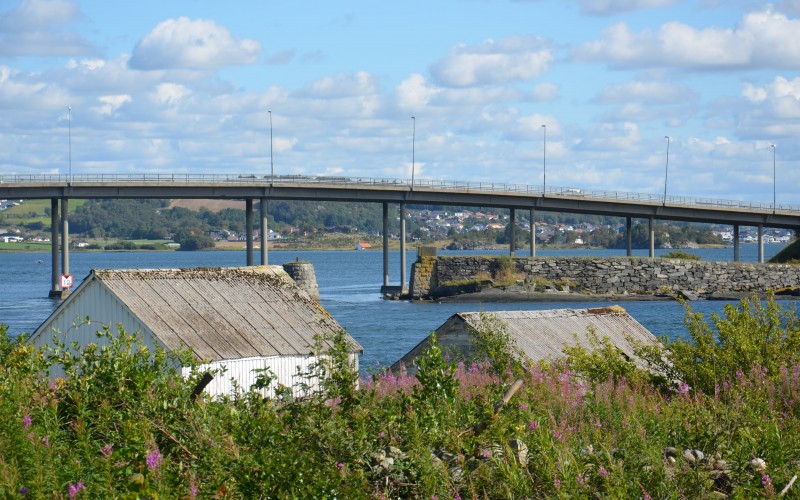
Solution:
(680, 254)
(720, 418)
(788, 255)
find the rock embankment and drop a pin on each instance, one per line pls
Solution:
(435, 277)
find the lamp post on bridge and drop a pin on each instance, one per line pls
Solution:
(544, 159)
(69, 139)
(413, 148)
(774, 181)
(271, 162)
(666, 169)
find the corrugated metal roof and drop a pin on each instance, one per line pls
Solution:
(223, 313)
(542, 335)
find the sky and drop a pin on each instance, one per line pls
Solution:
(602, 95)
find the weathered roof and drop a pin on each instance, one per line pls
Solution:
(542, 335)
(221, 313)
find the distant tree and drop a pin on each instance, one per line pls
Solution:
(190, 239)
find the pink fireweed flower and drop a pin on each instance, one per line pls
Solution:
(193, 490)
(766, 480)
(533, 425)
(523, 407)
(74, 489)
(106, 450)
(27, 421)
(154, 460)
(603, 472)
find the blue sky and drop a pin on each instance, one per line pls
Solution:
(185, 87)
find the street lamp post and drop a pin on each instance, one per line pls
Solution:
(774, 181)
(271, 162)
(544, 160)
(69, 139)
(666, 170)
(413, 148)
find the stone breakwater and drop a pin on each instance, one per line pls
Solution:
(430, 276)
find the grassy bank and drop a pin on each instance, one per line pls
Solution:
(724, 420)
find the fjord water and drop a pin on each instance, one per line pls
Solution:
(349, 283)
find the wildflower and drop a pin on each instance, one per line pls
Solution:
(381, 434)
(766, 480)
(603, 472)
(487, 453)
(193, 490)
(154, 460)
(106, 450)
(27, 421)
(581, 480)
(74, 489)
(533, 425)
(556, 483)
(523, 407)
(24, 491)
(683, 389)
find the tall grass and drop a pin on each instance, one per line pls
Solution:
(121, 422)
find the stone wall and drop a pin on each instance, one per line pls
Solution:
(615, 275)
(303, 274)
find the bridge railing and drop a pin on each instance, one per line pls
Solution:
(389, 183)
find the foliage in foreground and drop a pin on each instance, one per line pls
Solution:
(121, 422)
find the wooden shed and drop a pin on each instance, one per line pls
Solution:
(242, 318)
(539, 335)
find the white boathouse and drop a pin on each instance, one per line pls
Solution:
(242, 318)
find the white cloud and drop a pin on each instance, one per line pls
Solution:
(35, 28)
(184, 43)
(111, 103)
(647, 92)
(611, 7)
(414, 93)
(777, 101)
(544, 92)
(513, 59)
(171, 93)
(764, 39)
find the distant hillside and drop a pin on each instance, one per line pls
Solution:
(789, 253)
(211, 205)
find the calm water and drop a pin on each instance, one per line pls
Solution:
(349, 283)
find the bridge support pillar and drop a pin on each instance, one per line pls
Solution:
(651, 228)
(263, 205)
(248, 222)
(403, 283)
(55, 286)
(64, 243)
(385, 244)
(736, 256)
(761, 243)
(533, 233)
(512, 233)
(628, 236)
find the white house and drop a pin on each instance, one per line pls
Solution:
(241, 318)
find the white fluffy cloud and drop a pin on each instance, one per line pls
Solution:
(514, 59)
(184, 43)
(648, 92)
(764, 39)
(35, 28)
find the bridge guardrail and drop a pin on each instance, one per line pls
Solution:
(428, 184)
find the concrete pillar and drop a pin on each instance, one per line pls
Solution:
(628, 236)
(512, 233)
(533, 233)
(55, 285)
(248, 223)
(651, 225)
(761, 243)
(385, 244)
(403, 284)
(64, 235)
(264, 231)
(736, 257)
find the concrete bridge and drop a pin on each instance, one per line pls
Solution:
(60, 188)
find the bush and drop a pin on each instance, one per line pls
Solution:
(680, 254)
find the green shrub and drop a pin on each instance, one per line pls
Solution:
(680, 254)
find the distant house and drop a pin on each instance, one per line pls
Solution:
(540, 335)
(243, 318)
(363, 246)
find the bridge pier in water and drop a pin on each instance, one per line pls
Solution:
(403, 281)
(385, 245)
(628, 236)
(533, 233)
(248, 223)
(56, 292)
(512, 233)
(651, 229)
(761, 243)
(736, 242)
(264, 232)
